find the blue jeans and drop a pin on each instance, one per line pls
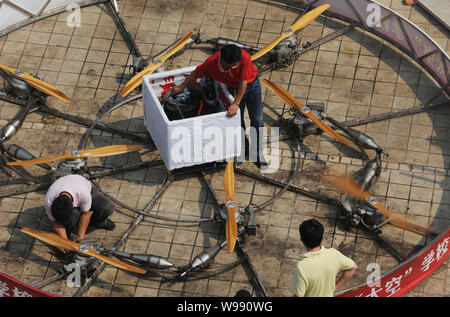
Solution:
(253, 100)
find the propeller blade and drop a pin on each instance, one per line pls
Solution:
(394, 220)
(39, 161)
(41, 85)
(305, 111)
(114, 262)
(228, 180)
(137, 79)
(48, 238)
(231, 226)
(349, 186)
(154, 65)
(97, 152)
(299, 24)
(60, 242)
(110, 150)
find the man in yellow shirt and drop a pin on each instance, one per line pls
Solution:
(315, 274)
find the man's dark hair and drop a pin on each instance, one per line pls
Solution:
(243, 293)
(231, 54)
(62, 209)
(311, 233)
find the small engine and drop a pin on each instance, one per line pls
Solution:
(287, 51)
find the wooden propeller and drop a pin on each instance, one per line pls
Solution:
(154, 65)
(305, 111)
(349, 186)
(231, 225)
(299, 24)
(62, 243)
(97, 152)
(36, 83)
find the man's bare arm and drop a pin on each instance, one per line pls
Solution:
(241, 91)
(179, 89)
(83, 223)
(346, 275)
(59, 229)
(234, 107)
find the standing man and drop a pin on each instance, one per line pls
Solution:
(72, 203)
(233, 67)
(315, 274)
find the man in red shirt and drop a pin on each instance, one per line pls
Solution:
(233, 67)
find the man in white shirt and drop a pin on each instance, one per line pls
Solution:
(72, 201)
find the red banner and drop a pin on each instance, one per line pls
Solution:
(408, 275)
(10, 287)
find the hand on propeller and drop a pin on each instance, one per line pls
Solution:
(347, 185)
(65, 244)
(40, 85)
(299, 24)
(303, 110)
(231, 225)
(154, 65)
(98, 152)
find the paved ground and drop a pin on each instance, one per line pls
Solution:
(355, 75)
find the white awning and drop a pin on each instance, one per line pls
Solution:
(17, 13)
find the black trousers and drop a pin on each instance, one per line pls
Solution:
(101, 209)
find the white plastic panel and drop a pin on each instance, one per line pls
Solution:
(60, 3)
(190, 141)
(31, 6)
(10, 16)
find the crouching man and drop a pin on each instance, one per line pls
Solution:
(71, 203)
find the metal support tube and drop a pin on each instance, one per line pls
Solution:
(124, 169)
(327, 38)
(255, 277)
(24, 190)
(395, 114)
(137, 56)
(384, 243)
(59, 275)
(79, 120)
(293, 188)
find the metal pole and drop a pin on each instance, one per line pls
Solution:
(123, 169)
(137, 56)
(257, 281)
(76, 119)
(254, 277)
(59, 275)
(275, 182)
(327, 38)
(391, 115)
(24, 190)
